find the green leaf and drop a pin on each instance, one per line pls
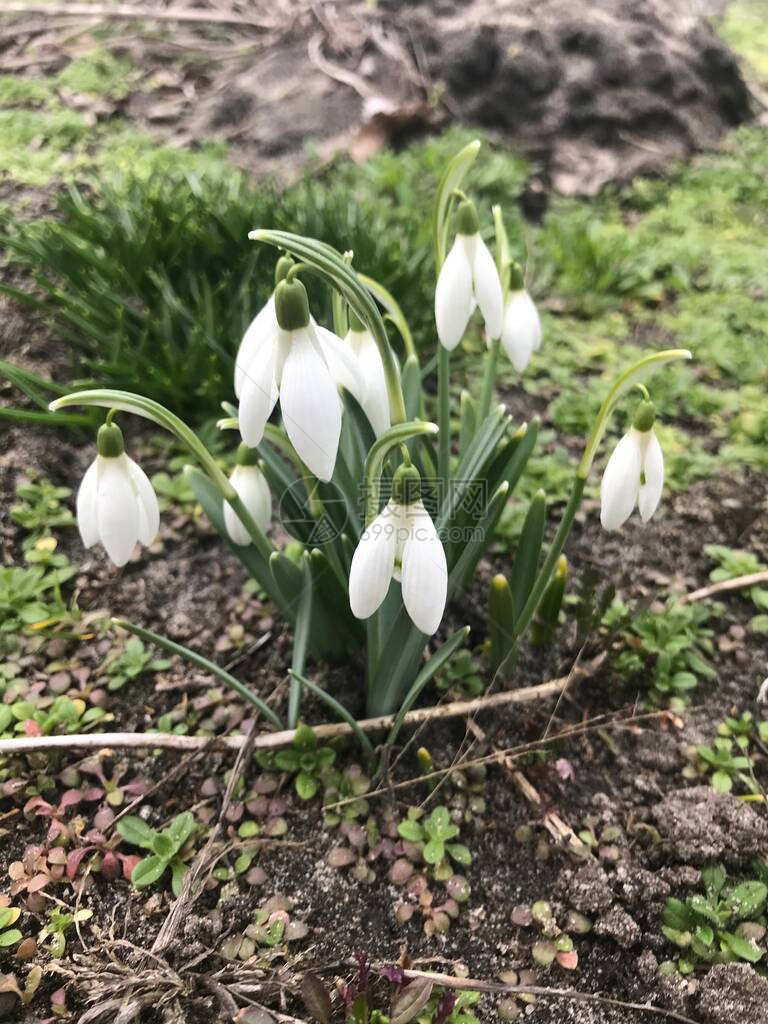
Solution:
(10, 938)
(163, 846)
(433, 851)
(135, 830)
(287, 760)
(180, 829)
(306, 785)
(676, 915)
(460, 853)
(714, 878)
(742, 948)
(411, 830)
(722, 782)
(528, 552)
(747, 900)
(178, 871)
(148, 871)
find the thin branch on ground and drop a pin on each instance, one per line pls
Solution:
(125, 12)
(169, 741)
(449, 981)
(753, 579)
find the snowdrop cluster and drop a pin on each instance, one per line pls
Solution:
(395, 567)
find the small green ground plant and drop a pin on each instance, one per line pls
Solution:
(667, 650)
(724, 924)
(166, 848)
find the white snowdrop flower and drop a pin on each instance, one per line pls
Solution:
(116, 504)
(401, 544)
(521, 330)
(260, 329)
(373, 396)
(302, 364)
(253, 490)
(468, 277)
(634, 474)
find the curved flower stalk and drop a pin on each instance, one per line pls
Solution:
(253, 490)
(634, 474)
(290, 362)
(468, 277)
(116, 504)
(401, 544)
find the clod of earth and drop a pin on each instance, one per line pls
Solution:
(699, 825)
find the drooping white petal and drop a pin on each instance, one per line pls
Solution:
(310, 405)
(453, 295)
(621, 481)
(653, 471)
(342, 362)
(258, 333)
(521, 332)
(149, 511)
(253, 490)
(376, 400)
(87, 523)
(424, 571)
(259, 393)
(117, 508)
(487, 287)
(373, 563)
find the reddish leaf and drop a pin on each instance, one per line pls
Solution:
(71, 798)
(37, 883)
(110, 866)
(32, 728)
(74, 858)
(129, 862)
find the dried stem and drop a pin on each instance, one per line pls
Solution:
(168, 741)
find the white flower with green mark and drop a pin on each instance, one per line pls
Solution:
(634, 475)
(467, 278)
(253, 490)
(302, 364)
(401, 544)
(116, 504)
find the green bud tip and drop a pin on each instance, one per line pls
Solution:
(406, 485)
(561, 566)
(109, 441)
(246, 456)
(644, 417)
(516, 283)
(282, 267)
(355, 323)
(499, 582)
(291, 305)
(466, 218)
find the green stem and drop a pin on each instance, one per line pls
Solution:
(627, 380)
(375, 460)
(443, 421)
(489, 378)
(126, 401)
